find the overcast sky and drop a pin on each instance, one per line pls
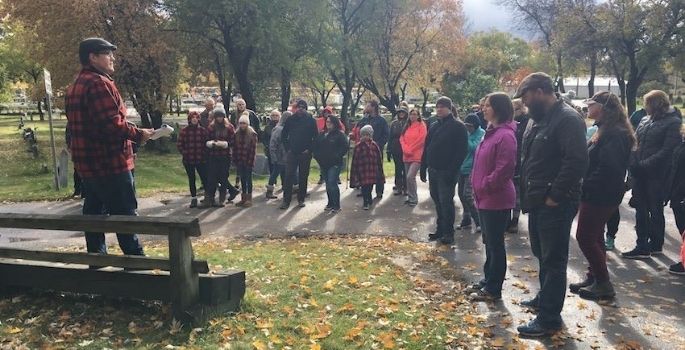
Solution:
(483, 15)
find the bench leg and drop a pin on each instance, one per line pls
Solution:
(184, 281)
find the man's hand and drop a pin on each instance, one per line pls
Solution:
(145, 135)
(551, 203)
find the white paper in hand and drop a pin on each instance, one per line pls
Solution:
(165, 130)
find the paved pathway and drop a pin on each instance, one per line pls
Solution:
(649, 310)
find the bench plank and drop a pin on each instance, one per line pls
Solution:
(163, 226)
(125, 261)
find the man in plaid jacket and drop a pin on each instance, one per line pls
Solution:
(101, 142)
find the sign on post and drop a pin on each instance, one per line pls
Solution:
(48, 102)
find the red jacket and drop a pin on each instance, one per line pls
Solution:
(101, 137)
(413, 140)
(367, 165)
(192, 144)
(221, 134)
(244, 148)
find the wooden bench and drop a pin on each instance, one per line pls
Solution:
(194, 293)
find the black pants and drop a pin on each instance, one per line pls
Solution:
(679, 214)
(400, 174)
(442, 185)
(294, 163)
(190, 171)
(217, 176)
(366, 194)
(612, 224)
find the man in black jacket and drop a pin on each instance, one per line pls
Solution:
(445, 150)
(298, 135)
(554, 160)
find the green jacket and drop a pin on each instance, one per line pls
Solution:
(474, 140)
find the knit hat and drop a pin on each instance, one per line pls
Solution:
(366, 130)
(244, 119)
(472, 120)
(444, 101)
(219, 112)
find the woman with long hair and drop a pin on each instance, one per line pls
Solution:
(331, 147)
(603, 189)
(413, 140)
(244, 151)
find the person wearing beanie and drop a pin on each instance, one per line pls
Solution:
(464, 188)
(395, 151)
(367, 165)
(191, 144)
(101, 142)
(413, 140)
(445, 151)
(381, 132)
(221, 134)
(277, 155)
(244, 152)
(298, 137)
(240, 109)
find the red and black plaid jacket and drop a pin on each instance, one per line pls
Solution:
(192, 144)
(100, 135)
(367, 165)
(221, 134)
(245, 148)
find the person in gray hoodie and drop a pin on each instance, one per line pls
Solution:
(277, 156)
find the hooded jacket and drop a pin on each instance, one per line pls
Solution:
(276, 146)
(413, 141)
(493, 169)
(656, 140)
(475, 139)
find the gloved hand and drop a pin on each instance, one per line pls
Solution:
(222, 144)
(422, 176)
(210, 144)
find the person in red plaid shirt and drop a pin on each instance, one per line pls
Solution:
(221, 134)
(367, 165)
(192, 145)
(244, 151)
(101, 140)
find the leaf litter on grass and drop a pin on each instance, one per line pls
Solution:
(327, 293)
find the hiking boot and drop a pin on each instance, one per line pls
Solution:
(677, 269)
(248, 200)
(609, 244)
(270, 193)
(636, 254)
(575, 287)
(598, 291)
(535, 329)
(484, 295)
(513, 226)
(243, 199)
(193, 203)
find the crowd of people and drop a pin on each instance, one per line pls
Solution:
(533, 154)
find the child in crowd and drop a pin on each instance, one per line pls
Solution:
(244, 150)
(367, 166)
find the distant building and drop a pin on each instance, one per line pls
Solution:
(602, 83)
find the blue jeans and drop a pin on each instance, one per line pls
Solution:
(493, 224)
(442, 185)
(245, 175)
(276, 171)
(111, 195)
(550, 230)
(331, 175)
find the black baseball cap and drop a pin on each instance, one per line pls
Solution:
(537, 80)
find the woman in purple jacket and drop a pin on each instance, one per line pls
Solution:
(494, 192)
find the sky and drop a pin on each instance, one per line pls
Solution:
(483, 15)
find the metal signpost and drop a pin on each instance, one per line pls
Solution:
(48, 91)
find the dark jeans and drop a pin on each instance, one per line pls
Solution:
(332, 189)
(679, 214)
(590, 236)
(276, 171)
(294, 163)
(366, 194)
(465, 193)
(650, 223)
(217, 176)
(442, 184)
(494, 223)
(78, 190)
(245, 175)
(113, 195)
(190, 171)
(400, 175)
(550, 229)
(612, 224)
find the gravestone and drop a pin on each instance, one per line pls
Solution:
(261, 165)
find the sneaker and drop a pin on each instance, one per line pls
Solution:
(636, 254)
(379, 197)
(535, 329)
(447, 240)
(609, 244)
(532, 304)
(476, 286)
(327, 209)
(463, 226)
(598, 291)
(575, 287)
(300, 204)
(656, 252)
(284, 205)
(335, 211)
(396, 192)
(677, 269)
(412, 204)
(434, 236)
(366, 207)
(484, 295)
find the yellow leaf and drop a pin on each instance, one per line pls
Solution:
(387, 340)
(259, 345)
(262, 324)
(315, 347)
(345, 308)
(330, 284)
(323, 331)
(353, 281)
(498, 342)
(15, 330)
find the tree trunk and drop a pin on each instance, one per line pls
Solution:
(593, 73)
(424, 93)
(403, 90)
(286, 89)
(622, 90)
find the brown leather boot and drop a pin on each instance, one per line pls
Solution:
(248, 201)
(243, 198)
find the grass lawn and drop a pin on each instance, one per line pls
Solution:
(326, 293)
(21, 177)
